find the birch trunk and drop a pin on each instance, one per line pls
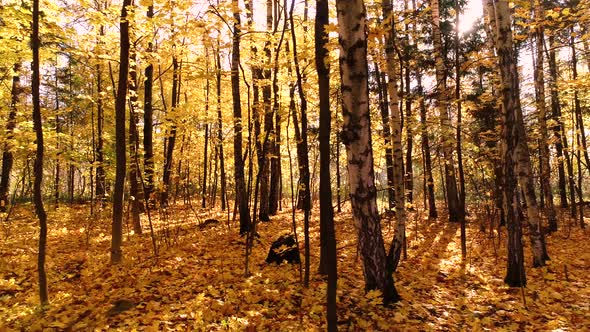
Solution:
(356, 136)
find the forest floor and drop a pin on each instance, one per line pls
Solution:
(197, 281)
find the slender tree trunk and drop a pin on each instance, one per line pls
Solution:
(327, 233)
(134, 183)
(148, 123)
(356, 136)
(302, 151)
(459, 124)
(409, 174)
(171, 139)
(241, 196)
(432, 213)
(37, 124)
(384, 110)
(57, 143)
(220, 129)
(446, 129)
(7, 155)
(541, 108)
(120, 147)
(577, 105)
(205, 155)
(556, 115)
(268, 122)
(396, 143)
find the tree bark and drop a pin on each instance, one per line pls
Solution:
(148, 123)
(396, 119)
(356, 136)
(220, 128)
(381, 80)
(542, 110)
(515, 126)
(302, 152)
(171, 137)
(120, 147)
(241, 196)
(7, 155)
(446, 130)
(134, 183)
(327, 233)
(38, 165)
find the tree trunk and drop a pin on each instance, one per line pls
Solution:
(148, 124)
(384, 110)
(327, 233)
(556, 114)
(302, 152)
(121, 159)
(171, 137)
(241, 196)
(356, 136)
(577, 105)
(134, 183)
(515, 275)
(515, 125)
(459, 124)
(38, 166)
(220, 129)
(446, 129)
(432, 213)
(541, 108)
(204, 191)
(7, 155)
(396, 144)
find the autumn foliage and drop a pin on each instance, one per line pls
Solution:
(197, 281)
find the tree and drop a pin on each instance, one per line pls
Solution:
(302, 150)
(327, 234)
(240, 191)
(539, 72)
(356, 136)
(396, 141)
(7, 154)
(121, 159)
(148, 121)
(455, 214)
(38, 166)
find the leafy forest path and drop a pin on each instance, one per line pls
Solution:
(197, 282)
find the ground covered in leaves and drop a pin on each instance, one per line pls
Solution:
(197, 280)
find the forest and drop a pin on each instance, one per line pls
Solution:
(283, 165)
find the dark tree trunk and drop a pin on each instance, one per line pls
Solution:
(148, 125)
(205, 155)
(577, 105)
(7, 155)
(556, 115)
(120, 146)
(171, 138)
(432, 213)
(134, 183)
(327, 233)
(302, 152)
(459, 124)
(544, 162)
(38, 166)
(241, 196)
(220, 128)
